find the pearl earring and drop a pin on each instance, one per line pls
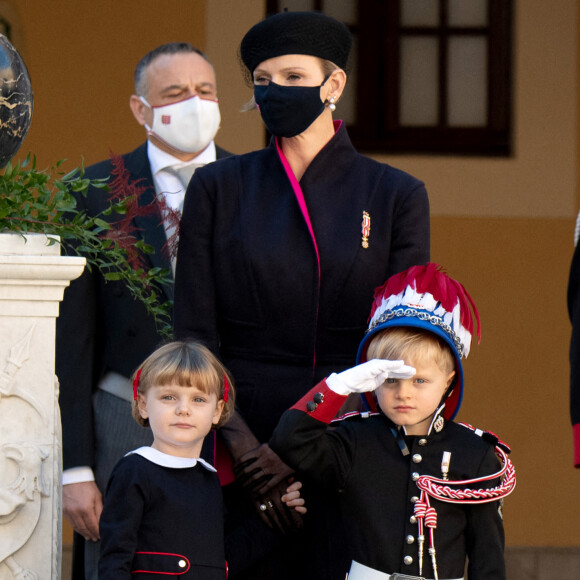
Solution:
(332, 106)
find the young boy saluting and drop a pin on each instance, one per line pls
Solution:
(419, 494)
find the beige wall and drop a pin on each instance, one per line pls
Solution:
(502, 226)
(81, 56)
(517, 378)
(227, 22)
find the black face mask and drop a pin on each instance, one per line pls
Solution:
(288, 111)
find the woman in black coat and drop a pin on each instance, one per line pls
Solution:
(281, 249)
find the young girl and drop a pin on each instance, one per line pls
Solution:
(163, 510)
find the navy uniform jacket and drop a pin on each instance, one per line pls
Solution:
(101, 327)
(360, 459)
(247, 281)
(160, 520)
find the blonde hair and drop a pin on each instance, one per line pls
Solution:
(188, 364)
(403, 343)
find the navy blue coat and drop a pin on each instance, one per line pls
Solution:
(160, 521)
(247, 281)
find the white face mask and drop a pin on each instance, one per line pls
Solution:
(187, 126)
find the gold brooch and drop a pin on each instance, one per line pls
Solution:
(366, 229)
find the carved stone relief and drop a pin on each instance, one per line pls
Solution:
(23, 479)
(33, 277)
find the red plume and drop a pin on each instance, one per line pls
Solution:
(431, 279)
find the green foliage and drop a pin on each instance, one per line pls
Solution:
(46, 201)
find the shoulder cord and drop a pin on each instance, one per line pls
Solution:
(441, 489)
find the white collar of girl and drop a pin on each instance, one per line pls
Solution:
(166, 460)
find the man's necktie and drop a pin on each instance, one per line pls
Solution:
(184, 172)
(175, 203)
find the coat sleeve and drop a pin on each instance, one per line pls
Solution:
(194, 311)
(410, 243)
(123, 510)
(77, 367)
(485, 537)
(574, 313)
(305, 440)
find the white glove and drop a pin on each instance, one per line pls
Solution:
(368, 376)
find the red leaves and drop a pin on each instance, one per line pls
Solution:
(125, 195)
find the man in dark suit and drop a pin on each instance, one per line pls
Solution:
(103, 333)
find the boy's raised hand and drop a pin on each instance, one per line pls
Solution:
(368, 376)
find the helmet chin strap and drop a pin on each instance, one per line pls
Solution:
(447, 393)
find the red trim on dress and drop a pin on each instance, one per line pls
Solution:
(164, 573)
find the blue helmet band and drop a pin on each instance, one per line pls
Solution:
(424, 316)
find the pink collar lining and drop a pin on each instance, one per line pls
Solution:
(300, 198)
(300, 195)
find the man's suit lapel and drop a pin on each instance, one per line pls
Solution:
(150, 227)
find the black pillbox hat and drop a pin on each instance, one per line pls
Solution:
(311, 33)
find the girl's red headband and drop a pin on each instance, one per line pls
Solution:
(136, 384)
(226, 389)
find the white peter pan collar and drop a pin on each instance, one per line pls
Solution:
(166, 460)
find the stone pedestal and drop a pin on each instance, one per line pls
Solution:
(33, 277)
